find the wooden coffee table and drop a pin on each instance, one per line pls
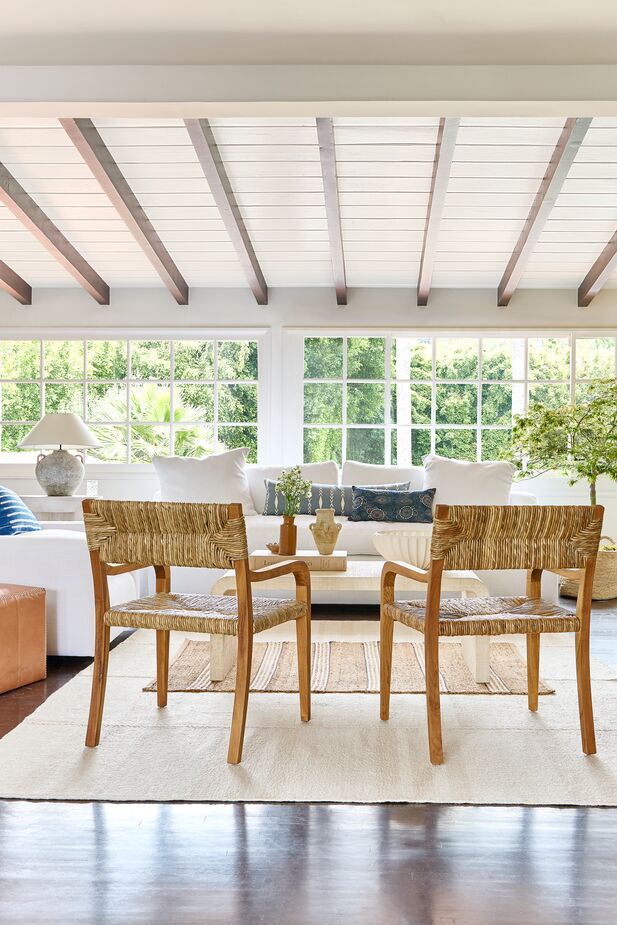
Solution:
(361, 575)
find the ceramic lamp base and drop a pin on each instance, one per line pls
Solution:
(60, 473)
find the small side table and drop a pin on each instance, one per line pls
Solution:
(55, 507)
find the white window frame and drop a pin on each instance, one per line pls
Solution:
(261, 335)
(294, 353)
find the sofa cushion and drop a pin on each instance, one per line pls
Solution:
(339, 497)
(410, 507)
(15, 516)
(325, 473)
(459, 482)
(356, 473)
(217, 479)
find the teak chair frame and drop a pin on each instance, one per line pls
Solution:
(245, 578)
(563, 557)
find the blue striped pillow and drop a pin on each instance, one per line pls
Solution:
(15, 516)
(339, 497)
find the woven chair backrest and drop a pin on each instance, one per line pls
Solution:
(166, 533)
(511, 537)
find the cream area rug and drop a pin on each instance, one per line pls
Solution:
(351, 667)
(496, 751)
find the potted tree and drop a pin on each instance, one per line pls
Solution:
(294, 488)
(580, 442)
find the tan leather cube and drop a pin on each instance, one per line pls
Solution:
(23, 638)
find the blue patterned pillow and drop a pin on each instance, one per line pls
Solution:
(15, 516)
(408, 507)
(340, 497)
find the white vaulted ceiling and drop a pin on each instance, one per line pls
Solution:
(384, 167)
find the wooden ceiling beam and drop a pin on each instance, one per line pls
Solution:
(327, 156)
(32, 217)
(12, 283)
(212, 165)
(572, 135)
(599, 273)
(444, 153)
(86, 138)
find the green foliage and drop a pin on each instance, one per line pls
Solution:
(238, 359)
(579, 441)
(323, 357)
(294, 488)
(107, 359)
(63, 359)
(366, 358)
(150, 359)
(149, 402)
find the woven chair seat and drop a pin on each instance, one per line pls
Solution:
(488, 616)
(200, 613)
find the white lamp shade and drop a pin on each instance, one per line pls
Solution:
(60, 430)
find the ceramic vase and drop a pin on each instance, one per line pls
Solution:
(325, 531)
(288, 537)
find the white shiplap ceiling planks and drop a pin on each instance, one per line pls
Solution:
(384, 172)
(497, 168)
(160, 164)
(274, 170)
(384, 168)
(584, 217)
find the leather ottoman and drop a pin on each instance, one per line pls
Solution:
(23, 646)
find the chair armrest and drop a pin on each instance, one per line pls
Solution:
(295, 567)
(405, 570)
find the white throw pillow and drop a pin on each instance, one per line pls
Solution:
(323, 473)
(468, 482)
(218, 479)
(357, 473)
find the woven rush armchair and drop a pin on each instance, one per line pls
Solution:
(127, 535)
(563, 540)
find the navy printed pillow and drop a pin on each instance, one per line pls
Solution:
(15, 516)
(407, 507)
(340, 497)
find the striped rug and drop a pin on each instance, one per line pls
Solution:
(351, 667)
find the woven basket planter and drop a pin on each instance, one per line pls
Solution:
(605, 579)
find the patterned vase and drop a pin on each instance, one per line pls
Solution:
(288, 537)
(325, 531)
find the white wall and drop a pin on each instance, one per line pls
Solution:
(448, 308)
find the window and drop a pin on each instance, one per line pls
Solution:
(140, 397)
(396, 398)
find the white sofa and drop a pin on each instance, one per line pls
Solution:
(57, 558)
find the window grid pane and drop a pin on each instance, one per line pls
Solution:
(128, 394)
(456, 395)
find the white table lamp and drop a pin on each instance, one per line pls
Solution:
(60, 472)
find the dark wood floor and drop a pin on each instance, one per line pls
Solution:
(183, 864)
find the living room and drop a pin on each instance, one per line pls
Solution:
(308, 394)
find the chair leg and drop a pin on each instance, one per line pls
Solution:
(241, 696)
(433, 705)
(533, 670)
(99, 680)
(303, 645)
(585, 705)
(162, 666)
(386, 636)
